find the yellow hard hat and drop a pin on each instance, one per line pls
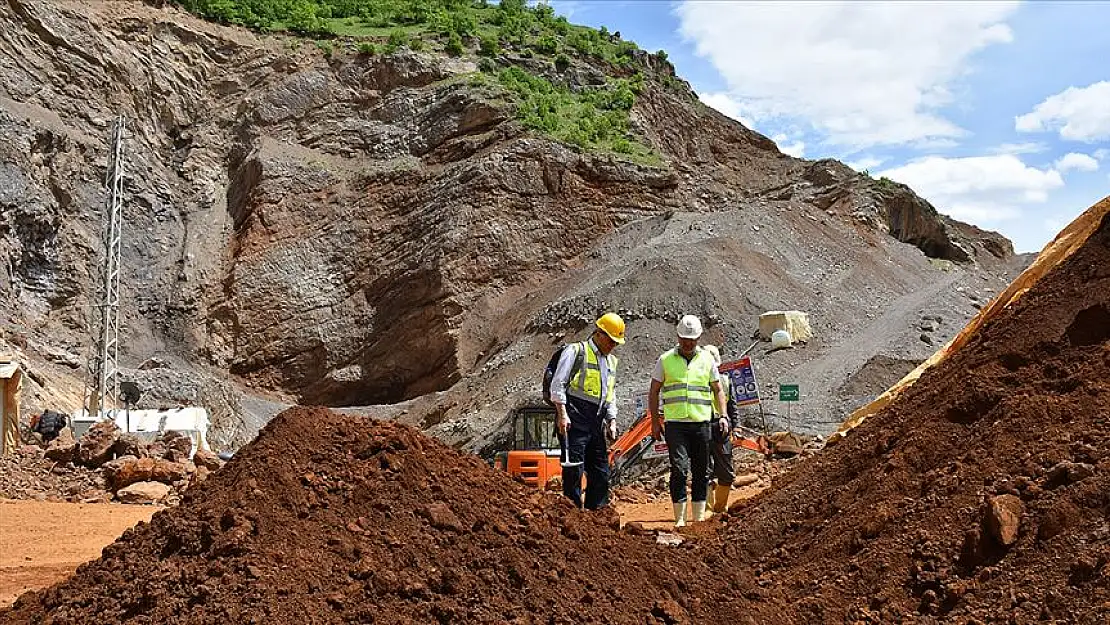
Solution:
(613, 325)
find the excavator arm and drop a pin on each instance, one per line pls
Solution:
(630, 447)
(627, 449)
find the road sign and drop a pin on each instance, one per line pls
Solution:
(789, 392)
(741, 373)
(657, 450)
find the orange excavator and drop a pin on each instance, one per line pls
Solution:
(536, 456)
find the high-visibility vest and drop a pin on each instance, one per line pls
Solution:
(686, 394)
(586, 382)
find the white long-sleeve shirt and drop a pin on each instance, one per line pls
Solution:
(562, 376)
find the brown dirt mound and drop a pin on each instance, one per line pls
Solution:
(909, 518)
(337, 519)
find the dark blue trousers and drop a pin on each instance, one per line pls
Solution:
(586, 442)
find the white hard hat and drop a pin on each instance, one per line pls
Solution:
(689, 327)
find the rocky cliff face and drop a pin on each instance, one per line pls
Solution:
(352, 229)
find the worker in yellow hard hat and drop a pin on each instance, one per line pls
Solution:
(688, 382)
(582, 391)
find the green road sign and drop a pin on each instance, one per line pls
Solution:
(789, 392)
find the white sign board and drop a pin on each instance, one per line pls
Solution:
(657, 450)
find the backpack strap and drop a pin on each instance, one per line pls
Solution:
(579, 360)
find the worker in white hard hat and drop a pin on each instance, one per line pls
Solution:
(583, 393)
(687, 381)
(721, 472)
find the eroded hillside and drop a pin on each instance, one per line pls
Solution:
(355, 223)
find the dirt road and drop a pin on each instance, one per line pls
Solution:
(42, 543)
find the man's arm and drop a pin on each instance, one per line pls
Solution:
(654, 412)
(733, 414)
(559, 386)
(721, 403)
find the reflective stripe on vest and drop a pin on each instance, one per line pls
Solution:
(686, 394)
(586, 383)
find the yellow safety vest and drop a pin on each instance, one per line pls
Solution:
(586, 383)
(687, 395)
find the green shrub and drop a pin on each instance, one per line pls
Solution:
(488, 46)
(367, 48)
(464, 24)
(303, 19)
(593, 119)
(661, 54)
(561, 26)
(562, 63)
(397, 39)
(454, 45)
(547, 44)
(326, 47)
(581, 43)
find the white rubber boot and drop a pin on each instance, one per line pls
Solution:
(699, 511)
(680, 514)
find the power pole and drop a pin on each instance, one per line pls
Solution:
(102, 384)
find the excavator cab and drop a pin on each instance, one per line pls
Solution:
(534, 458)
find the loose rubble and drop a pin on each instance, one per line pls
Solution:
(103, 463)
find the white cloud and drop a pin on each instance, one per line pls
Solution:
(724, 103)
(1031, 147)
(795, 148)
(1079, 114)
(566, 8)
(1078, 162)
(863, 73)
(866, 163)
(984, 190)
(1102, 153)
(1054, 224)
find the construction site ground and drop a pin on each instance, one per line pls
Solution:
(653, 511)
(42, 543)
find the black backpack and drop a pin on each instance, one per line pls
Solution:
(50, 423)
(553, 364)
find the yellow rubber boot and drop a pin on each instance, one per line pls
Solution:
(720, 497)
(710, 492)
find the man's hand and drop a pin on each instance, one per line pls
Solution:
(722, 423)
(611, 429)
(656, 428)
(562, 419)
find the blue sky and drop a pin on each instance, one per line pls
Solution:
(997, 112)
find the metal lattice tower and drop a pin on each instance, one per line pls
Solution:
(102, 387)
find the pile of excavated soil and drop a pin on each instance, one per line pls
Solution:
(982, 495)
(327, 518)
